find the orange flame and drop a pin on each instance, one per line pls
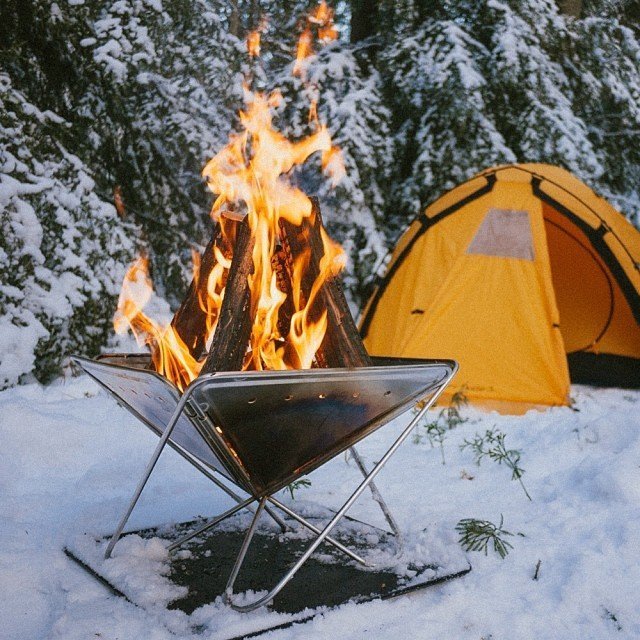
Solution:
(250, 170)
(253, 43)
(323, 17)
(303, 51)
(322, 20)
(169, 354)
(250, 173)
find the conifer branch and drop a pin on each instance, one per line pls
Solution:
(476, 535)
(492, 446)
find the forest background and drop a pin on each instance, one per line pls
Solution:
(109, 110)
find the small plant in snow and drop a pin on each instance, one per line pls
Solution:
(435, 431)
(492, 446)
(612, 618)
(451, 414)
(448, 418)
(297, 484)
(477, 535)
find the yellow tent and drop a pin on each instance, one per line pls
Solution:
(526, 277)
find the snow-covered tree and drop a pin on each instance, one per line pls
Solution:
(151, 89)
(62, 250)
(531, 96)
(604, 69)
(445, 128)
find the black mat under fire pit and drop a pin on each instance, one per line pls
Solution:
(327, 580)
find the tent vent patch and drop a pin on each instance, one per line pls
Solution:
(505, 233)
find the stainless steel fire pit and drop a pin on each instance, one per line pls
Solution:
(263, 430)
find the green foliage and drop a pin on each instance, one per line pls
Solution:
(296, 485)
(492, 445)
(478, 535)
(447, 419)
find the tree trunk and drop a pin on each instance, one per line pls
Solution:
(364, 19)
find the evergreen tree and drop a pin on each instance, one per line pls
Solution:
(150, 90)
(445, 129)
(62, 250)
(604, 69)
(531, 95)
(138, 94)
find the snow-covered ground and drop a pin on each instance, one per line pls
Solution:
(70, 459)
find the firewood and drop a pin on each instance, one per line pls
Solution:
(342, 345)
(190, 320)
(236, 318)
(279, 263)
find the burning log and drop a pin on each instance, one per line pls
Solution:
(281, 265)
(190, 320)
(235, 321)
(268, 295)
(342, 345)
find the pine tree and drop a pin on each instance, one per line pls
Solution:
(445, 129)
(150, 91)
(603, 65)
(62, 251)
(531, 95)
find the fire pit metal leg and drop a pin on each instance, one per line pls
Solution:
(306, 523)
(325, 532)
(211, 523)
(228, 593)
(196, 463)
(377, 496)
(145, 477)
(166, 434)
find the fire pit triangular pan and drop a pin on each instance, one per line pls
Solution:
(263, 430)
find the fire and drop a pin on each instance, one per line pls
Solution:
(323, 17)
(170, 356)
(212, 301)
(303, 51)
(322, 20)
(251, 170)
(250, 174)
(253, 43)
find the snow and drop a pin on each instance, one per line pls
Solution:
(71, 457)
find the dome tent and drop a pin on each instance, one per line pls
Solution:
(526, 277)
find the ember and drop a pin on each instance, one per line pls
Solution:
(264, 291)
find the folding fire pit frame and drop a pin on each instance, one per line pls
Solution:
(263, 430)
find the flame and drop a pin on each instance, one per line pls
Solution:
(251, 171)
(169, 354)
(323, 17)
(322, 20)
(210, 297)
(303, 50)
(250, 174)
(333, 165)
(253, 43)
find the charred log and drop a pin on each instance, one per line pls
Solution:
(235, 321)
(190, 320)
(342, 345)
